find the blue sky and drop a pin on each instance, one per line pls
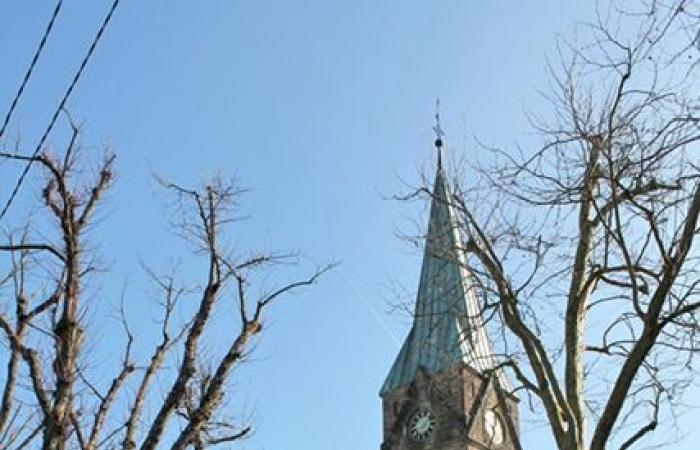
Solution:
(321, 109)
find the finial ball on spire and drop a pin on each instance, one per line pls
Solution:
(438, 133)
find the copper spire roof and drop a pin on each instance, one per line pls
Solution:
(447, 328)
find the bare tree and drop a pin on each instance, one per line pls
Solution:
(48, 397)
(583, 244)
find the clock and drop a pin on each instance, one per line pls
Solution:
(494, 427)
(421, 425)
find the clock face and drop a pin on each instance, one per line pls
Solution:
(421, 425)
(494, 427)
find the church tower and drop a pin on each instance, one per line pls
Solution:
(443, 391)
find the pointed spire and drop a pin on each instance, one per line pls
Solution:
(447, 328)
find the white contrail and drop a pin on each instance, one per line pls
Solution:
(370, 308)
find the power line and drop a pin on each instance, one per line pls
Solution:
(60, 107)
(28, 75)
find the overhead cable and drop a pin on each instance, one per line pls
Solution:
(28, 75)
(59, 108)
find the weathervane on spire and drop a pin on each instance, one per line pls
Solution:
(438, 133)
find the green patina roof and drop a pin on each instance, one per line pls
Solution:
(447, 327)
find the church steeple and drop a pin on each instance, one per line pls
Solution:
(444, 390)
(448, 328)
